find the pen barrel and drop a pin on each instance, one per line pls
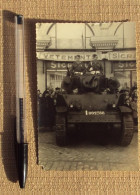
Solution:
(22, 162)
(20, 80)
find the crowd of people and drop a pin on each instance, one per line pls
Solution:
(129, 98)
(47, 102)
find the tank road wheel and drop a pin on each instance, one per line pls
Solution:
(127, 129)
(61, 137)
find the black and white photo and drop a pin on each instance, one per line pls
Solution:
(87, 96)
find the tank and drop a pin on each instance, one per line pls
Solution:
(85, 101)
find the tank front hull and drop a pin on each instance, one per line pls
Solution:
(93, 117)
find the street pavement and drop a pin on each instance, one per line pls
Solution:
(87, 151)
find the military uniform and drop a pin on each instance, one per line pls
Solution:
(95, 66)
(77, 68)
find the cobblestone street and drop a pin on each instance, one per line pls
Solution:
(86, 153)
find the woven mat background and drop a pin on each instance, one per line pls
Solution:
(40, 181)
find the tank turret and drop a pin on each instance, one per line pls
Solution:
(89, 82)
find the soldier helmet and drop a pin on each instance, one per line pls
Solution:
(57, 88)
(94, 55)
(77, 56)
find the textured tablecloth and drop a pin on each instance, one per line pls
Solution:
(40, 181)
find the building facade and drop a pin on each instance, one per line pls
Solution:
(58, 43)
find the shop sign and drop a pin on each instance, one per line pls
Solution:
(125, 65)
(58, 65)
(86, 56)
(122, 56)
(66, 56)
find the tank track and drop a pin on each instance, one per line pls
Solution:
(127, 129)
(61, 137)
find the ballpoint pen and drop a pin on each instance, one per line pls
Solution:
(21, 134)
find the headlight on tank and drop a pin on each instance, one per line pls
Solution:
(75, 105)
(113, 105)
(71, 105)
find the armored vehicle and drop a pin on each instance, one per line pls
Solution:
(86, 101)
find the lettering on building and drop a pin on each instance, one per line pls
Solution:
(125, 65)
(87, 56)
(128, 55)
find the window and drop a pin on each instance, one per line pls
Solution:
(54, 78)
(124, 78)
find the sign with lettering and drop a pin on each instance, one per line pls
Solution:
(125, 65)
(122, 55)
(58, 65)
(68, 56)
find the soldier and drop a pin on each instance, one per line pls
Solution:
(74, 75)
(78, 67)
(95, 67)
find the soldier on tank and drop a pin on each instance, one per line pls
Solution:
(94, 79)
(78, 67)
(74, 75)
(95, 66)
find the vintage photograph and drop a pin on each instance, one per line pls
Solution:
(87, 96)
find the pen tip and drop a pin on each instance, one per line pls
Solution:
(22, 184)
(22, 158)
